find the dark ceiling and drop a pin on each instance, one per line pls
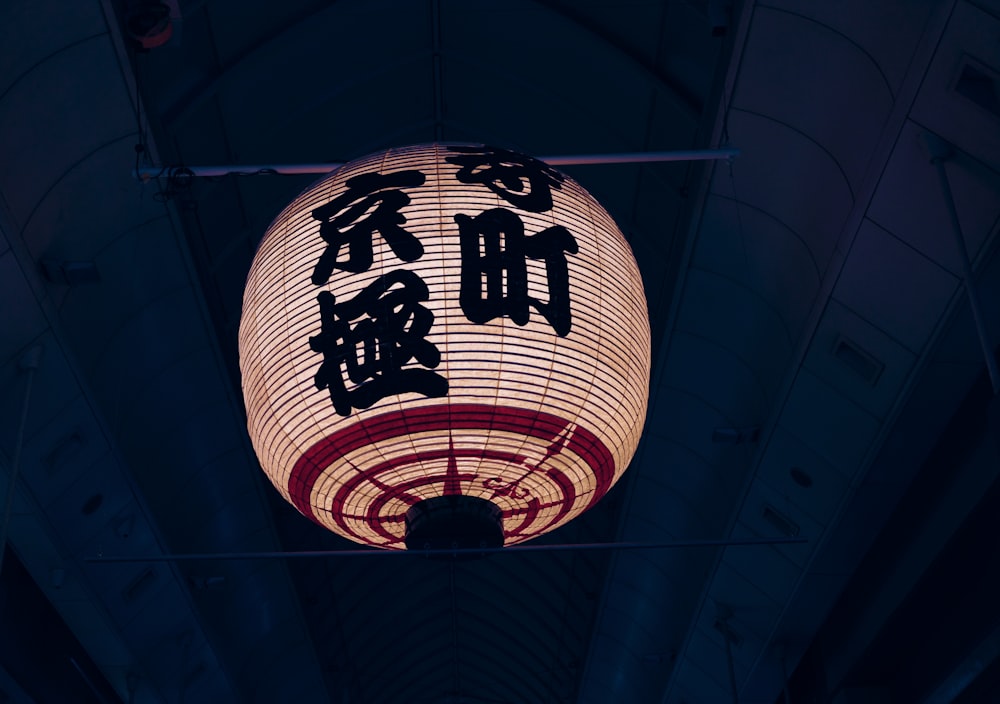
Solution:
(816, 370)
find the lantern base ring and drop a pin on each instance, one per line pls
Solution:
(454, 523)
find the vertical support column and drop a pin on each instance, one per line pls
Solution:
(941, 152)
(723, 614)
(28, 365)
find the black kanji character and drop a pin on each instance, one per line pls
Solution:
(371, 203)
(390, 331)
(495, 251)
(506, 173)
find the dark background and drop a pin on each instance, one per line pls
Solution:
(816, 369)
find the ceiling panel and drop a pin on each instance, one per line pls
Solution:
(806, 94)
(747, 244)
(894, 287)
(910, 201)
(799, 474)
(33, 118)
(859, 360)
(970, 126)
(867, 24)
(789, 194)
(829, 423)
(22, 322)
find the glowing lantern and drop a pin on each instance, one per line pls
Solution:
(444, 345)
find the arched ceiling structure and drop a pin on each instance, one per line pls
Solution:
(811, 346)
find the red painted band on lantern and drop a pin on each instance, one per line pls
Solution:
(495, 474)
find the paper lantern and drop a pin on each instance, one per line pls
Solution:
(444, 341)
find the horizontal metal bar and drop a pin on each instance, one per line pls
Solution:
(146, 173)
(458, 552)
(642, 157)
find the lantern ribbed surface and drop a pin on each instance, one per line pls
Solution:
(437, 320)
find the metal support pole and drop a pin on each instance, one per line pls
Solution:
(723, 612)
(150, 172)
(732, 670)
(940, 153)
(786, 697)
(445, 552)
(28, 366)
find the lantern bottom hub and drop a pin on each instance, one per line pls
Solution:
(454, 523)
